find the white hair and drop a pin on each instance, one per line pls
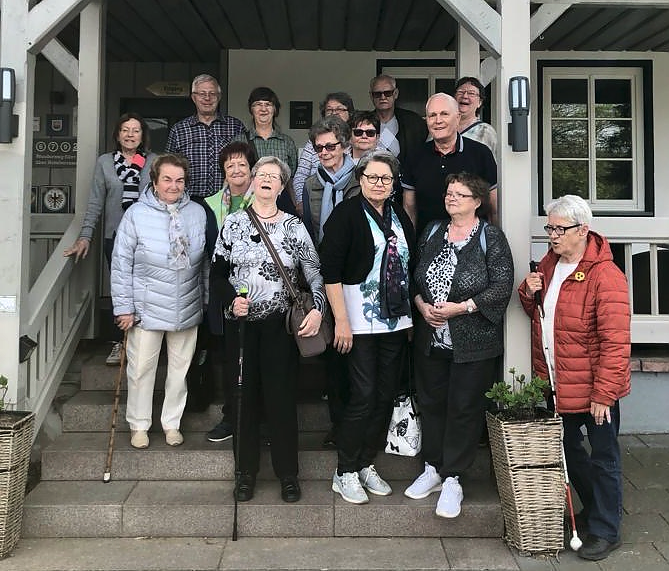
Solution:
(570, 207)
(451, 100)
(202, 78)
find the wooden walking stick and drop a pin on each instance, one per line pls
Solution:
(117, 395)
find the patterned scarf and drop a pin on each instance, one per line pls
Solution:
(221, 201)
(333, 188)
(178, 258)
(393, 281)
(129, 176)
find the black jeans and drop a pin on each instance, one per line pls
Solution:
(337, 383)
(374, 366)
(452, 402)
(597, 477)
(269, 354)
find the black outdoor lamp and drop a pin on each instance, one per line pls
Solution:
(519, 107)
(9, 123)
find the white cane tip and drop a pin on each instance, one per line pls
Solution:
(106, 478)
(575, 543)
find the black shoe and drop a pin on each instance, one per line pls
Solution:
(330, 440)
(290, 489)
(222, 431)
(596, 548)
(245, 487)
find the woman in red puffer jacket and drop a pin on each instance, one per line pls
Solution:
(587, 333)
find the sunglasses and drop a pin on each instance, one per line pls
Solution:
(387, 94)
(361, 132)
(328, 147)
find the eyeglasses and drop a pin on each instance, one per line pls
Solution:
(335, 110)
(468, 92)
(126, 131)
(559, 230)
(329, 147)
(386, 179)
(388, 93)
(268, 176)
(458, 195)
(262, 104)
(205, 94)
(361, 132)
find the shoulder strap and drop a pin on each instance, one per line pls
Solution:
(272, 251)
(483, 239)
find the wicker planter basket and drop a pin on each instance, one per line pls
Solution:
(527, 457)
(16, 434)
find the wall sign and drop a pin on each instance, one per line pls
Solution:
(57, 125)
(58, 153)
(54, 199)
(301, 114)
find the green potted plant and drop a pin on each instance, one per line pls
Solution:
(16, 436)
(526, 448)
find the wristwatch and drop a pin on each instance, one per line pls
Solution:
(470, 306)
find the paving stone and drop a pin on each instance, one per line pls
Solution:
(335, 554)
(644, 528)
(645, 501)
(663, 548)
(140, 554)
(637, 557)
(478, 554)
(655, 440)
(533, 562)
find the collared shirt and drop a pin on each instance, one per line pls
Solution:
(276, 145)
(201, 144)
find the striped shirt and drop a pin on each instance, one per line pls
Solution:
(201, 144)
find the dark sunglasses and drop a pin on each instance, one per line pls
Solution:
(328, 147)
(386, 94)
(361, 132)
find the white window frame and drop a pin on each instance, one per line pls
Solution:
(635, 75)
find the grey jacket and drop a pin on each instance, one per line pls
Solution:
(107, 192)
(142, 283)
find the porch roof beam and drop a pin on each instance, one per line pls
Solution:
(48, 18)
(545, 16)
(480, 20)
(63, 61)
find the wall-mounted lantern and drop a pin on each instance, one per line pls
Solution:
(519, 107)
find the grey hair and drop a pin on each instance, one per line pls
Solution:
(270, 160)
(572, 208)
(449, 98)
(383, 77)
(378, 156)
(202, 78)
(331, 124)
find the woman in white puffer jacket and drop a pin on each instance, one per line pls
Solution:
(158, 279)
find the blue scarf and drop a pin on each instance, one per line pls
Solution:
(333, 188)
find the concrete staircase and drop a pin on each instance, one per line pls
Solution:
(187, 491)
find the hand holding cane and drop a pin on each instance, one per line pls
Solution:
(575, 543)
(106, 478)
(243, 292)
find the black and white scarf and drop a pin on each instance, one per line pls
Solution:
(129, 175)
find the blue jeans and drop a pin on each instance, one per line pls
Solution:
(597, 477)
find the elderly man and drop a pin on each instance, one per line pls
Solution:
(424, 172)
(200, 139)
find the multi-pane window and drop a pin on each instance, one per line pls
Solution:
(593, 136)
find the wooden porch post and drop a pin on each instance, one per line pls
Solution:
(467, 58)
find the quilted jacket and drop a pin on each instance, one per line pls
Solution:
(142, 283)
(591, 330)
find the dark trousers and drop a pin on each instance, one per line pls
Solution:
(108, 247)
(374, 366)
(337, 383)
(452, 402)
(269, 354)
(597, 477)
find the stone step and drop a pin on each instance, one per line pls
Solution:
(90, 411)
(82, 456)
(205, 508)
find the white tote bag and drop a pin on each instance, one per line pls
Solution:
(404, 434)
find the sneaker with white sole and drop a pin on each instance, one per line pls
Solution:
(139, 439)
(372, 482)
(427, 483)
(114, 357)
(173, 437)
(450, 499)
(348, 485)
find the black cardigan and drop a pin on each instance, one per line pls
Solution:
(487, 278)
(347, 249)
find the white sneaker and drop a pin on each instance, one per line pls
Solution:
(450, 499)
(114, 357)
(372, 482)
(348, 485)
(173, 437)
(139, 439)
(427, 483)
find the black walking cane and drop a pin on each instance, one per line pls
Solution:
(243, 292)
(106, 478)
(575, 543)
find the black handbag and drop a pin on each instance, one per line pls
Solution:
(302, 302)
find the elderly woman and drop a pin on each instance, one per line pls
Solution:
(158, 290)
(119, 178)
(242, 261)
(470, 95)
(463, 283)
(337, 104)
(365, 129)
(236, 160)
(334, 180)
(587, 332)
(366, 256)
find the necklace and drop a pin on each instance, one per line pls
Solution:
(266, 217)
